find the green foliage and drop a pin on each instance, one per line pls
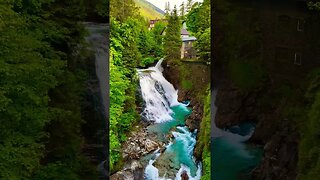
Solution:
(309, 148)
(40, 87)
(203, 146)
(172, 39)
(198, 19)
(131, 45)
(198, 22)
(314, 5)
(121, 10)
(246, 75)
(125, 56)
(203, 44)
(186, 84)
(102, 7)
(57, 170)
(146, 61)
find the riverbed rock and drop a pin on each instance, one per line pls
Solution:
(139, 143)
(184, 175)
(193, 121)
(166, 165)
(131, 171)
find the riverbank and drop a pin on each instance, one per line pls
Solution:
(193, 81)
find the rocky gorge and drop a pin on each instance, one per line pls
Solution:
(141, 144)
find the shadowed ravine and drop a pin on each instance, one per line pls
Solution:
(98, 87)
(232, 158)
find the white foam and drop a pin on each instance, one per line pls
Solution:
(158, 94)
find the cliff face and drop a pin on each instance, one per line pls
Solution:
(279, 141)
(261, 76)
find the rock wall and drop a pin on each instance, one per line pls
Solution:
(279, 142)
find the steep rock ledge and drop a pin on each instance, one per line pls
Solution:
(280, 141)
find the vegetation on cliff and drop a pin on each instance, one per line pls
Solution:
(198, 21)
(204, 138)
(309, 146)
(131, 45)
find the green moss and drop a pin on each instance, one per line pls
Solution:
(246, 75)
(186, 84)
(309, 127)
(203, 146)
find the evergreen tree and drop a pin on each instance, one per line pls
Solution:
(189, 5)
(122, 9)
(40, 90)
(182, 10)
(172, 39)
(167, 9)
(198, 22)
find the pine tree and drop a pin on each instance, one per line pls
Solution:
(182, 10)
(189, 5)
(167, 9)
(172, 38)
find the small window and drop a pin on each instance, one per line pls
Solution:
(297, 58)
(300, 25)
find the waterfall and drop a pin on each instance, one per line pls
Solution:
(159, 95)
(161, 102)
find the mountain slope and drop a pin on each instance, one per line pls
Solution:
(149, 10)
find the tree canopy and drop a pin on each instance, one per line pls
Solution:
(41, 89)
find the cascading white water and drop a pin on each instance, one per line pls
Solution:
(160, 97)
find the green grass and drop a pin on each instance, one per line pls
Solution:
(148, 11)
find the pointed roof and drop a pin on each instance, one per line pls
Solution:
(191, 38)
(184, 32)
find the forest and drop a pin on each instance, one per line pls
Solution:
(43, 58)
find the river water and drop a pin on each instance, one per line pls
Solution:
(168, 117)
(232, 157)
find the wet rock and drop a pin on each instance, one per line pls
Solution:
(150, 145)
(123, 175)
(280, 158)
(132, 171)
(163, 149)
(139, 143)
(166, 165)
(184, 176)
